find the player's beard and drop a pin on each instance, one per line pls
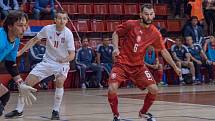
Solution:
(147, 22)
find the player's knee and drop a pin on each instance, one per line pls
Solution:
(153, 89)
(60, 81)
(190, 64)
(113, 88)
(31, 80)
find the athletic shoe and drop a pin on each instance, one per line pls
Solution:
(55, 115)
(147, 116)
(1, 109)
(14, 114)
(116, 118)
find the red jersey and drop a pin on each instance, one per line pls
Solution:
(133, 41)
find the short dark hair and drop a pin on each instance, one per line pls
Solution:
(85, 37)
(146, 5)
(193, 17)
(60, 12)
(12, 18)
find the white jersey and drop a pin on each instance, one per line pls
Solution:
(57, 43)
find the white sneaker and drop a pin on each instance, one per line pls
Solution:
(147, 116)
(83, 86)
(100, 85)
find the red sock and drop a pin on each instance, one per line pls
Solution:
(113, 101)
(149, 100)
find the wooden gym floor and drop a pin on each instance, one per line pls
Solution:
(179, 103)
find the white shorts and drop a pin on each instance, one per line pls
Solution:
(47, 68)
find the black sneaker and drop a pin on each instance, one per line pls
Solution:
(1, 108)
(14, 114)
(116, 118)
(55, 115)
(147, 116)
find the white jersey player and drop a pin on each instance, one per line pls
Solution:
(60, 50)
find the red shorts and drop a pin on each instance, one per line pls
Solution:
(140, 75)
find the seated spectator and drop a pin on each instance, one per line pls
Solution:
(85, 59)
(199, 59)
(8, 5)
(104, 55)
(36, 54)
(182, 58)
(194, 30)
(152, 62)
(43, 7)
(209, 48)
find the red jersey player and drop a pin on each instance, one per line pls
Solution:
(130, 41)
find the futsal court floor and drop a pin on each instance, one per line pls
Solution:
(174, 103)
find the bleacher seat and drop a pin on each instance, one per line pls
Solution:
(131, 9)
(161, 9)
(85, 8)
(98, 26)
(115, 9)
(83, 26)
(100, 9)
(174, 25)
(111, 25)
(46, 22)
(161, 23)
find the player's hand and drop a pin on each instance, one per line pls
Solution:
(209, 62)
(18, 54)
(116, 52)
(199, 62)
(177, 71)
(26, 92)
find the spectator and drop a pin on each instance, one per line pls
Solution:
(194, 30)
(209, 48)
(8, 5)
(44, 7)
(152, 62)
(209, 12)
(36, 54)
(104, 55)
(199, 59)
(85, 61)
(182, 58)
(197, 10)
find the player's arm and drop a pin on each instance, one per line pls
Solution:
(175, 57)
(121, 31)
(70, 48)
(69, 58)
(148, 65)
(28, 45)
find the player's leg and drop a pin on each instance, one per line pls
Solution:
(30, 80)
(4, 97)
(113, 99)
(39, 72)
(59, 91)
(144, 79)
(190, 65)
(116, 77)
(98, 69)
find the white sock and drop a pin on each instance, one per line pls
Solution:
(20, 104)
(181, 78)
(58, 98)
(194, 78)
